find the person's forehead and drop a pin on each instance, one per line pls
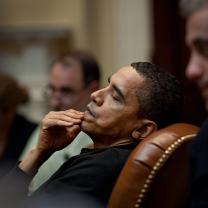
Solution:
(127, 78)
(197, 25)
(71, 75)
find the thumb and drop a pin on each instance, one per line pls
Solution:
(73, 131)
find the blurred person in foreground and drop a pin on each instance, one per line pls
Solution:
(196, 12)
(118, 117)
(72, 78)
(15, 129)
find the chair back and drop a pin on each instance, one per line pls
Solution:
(156, 172)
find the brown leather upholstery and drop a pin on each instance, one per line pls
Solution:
(156, 172)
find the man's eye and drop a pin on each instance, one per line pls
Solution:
(66, 90)
(202, 47)
(115, 97)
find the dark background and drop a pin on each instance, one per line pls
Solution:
(172, 54)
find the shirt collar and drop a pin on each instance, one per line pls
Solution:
(127, 146)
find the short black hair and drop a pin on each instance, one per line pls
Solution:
(89, 66)
(161, 95)
(188, 7)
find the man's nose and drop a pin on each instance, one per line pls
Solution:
(55, 101)
(194, 69)
(98, 96)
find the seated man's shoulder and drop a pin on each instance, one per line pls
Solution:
(102, 160)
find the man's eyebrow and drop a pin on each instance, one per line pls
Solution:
(117, 89)
(200, 41)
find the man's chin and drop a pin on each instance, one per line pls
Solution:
(86, 127)
(83, 126)
(56, 109)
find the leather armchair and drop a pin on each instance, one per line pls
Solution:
(156, 173)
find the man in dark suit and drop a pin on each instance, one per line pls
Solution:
(196, 12)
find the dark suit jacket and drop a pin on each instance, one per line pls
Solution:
(19, 133)
(199, 168)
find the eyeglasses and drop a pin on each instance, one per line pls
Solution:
(49, 91)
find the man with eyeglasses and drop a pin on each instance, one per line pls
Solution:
(72, 78)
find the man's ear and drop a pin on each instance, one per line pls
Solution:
(145, 129)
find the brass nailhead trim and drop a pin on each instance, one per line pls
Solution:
(158, 165)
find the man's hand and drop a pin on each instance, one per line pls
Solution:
(59, 129)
